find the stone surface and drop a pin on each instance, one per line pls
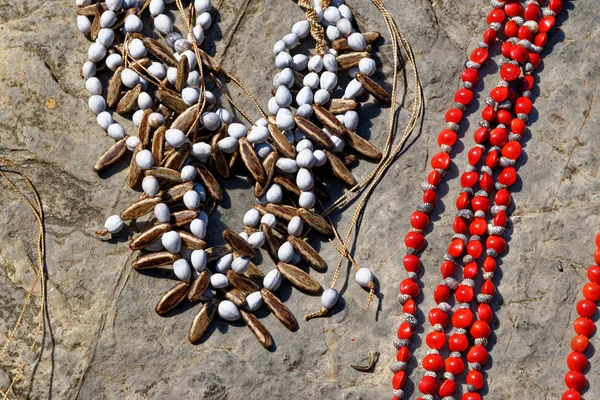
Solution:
(103, 338)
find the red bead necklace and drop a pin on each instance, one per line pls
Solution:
(520, 48)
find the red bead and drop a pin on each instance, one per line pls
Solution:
(492, 159)
(519, 54)
(584, 326)
(454, 115)
(419, 220)
(463, 96)
(470, 270)
(535, 60)
(409, 287)
(593, 272)
(470, 75)
(428, 385)
(502, 197)
(555, 5)
(496, 15)
(586, 308)
(480, 135)
(575, 380)
(546, 24)
(458, 342)
(597, 256)
(498, 137)
(479, 55)
(486, 182)
(541, 39)
(480, 203)
(504, 117)
(409, 307)
(506, 48)
(456, 248)
(511, 29)
(459, 225)
(434, 178)
(469, 179)
(513, 9)
(474, 155)
(464, 294)
(485, 313)
(496, 242)
(480, 329)
(433, 362)
(579, 343)
(597, 240)
(447, 388)
(488, 287)
(577, 361)
(489, 36)
(435, 340)
(475, 378)
(462, 201)
(488, 113)
(508, 176)
(414, 240)
(517, 126)
(523, 105)
(404, 331)
(532, 12)
(437, 316)
(441, 161)
(571, 395)
(447, 137)
(411, 263)
(489, 264)
(499, 94)
(478, 227)
(500, 218)
(462, 318)
(441, 293)
(471, 396)
(510, 72)
(455, 365)
(524, 33)
(474, 248)
(511, 150)
(399, 380)
(591, 291)
(478, 354)
(403, 354)
(447, 269)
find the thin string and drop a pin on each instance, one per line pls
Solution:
(40, 276)
(316, 30)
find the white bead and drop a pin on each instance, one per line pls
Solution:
(274, 194)
(190, 95)
(285, 77)
(307, 200)
(304, 111)
(161, 210)
(182, 45)
(198, 33)
(252, 217)
(328, 81)
(104, 119)
(175, 138)
(93, 85)
(301, 28)
(311, 80)
(172, 75)
(198, 188)
(296, 259)
(114, 224)
(198, 259)
(305, 159)
(295, 226)
(329, 298)
(172, 242)
(193, 79)
(218, 281)
(201, 150)
(211, 121)
(354, 89)
(130, 78)
(351, 120)
(357, 41)
(304, 179)
(322, 96)
(198, 228)
(188, 173)
(223, 264)
(272, 106)
(315, 64)
(332, 15)
(114, 5)
(228, 311)
(320, 158)
(345, 12)
(144, 101)
(352, 72)
(272, 280)
(237, 130)
(344, 26)
(228, 144)
(283, 60)
(156, 7)
(363, 276)
(254, 301)
(144, 159)
(263, 150)
(338, 143)
(133, 24)
(191, 57)
(284, 119)
(330, 63)
(84, 24)
(82, 3)
(182, 270)
(156, 119)
(332, 33)
(202, 6)
(114, 61)
(269, 220)
(132, 142)
(144, 83)
(304, 144)
(258, 134)
(204, 20)
(257, 239)
(283, 97)
(88, 69)
(287, 165)
(291, 40)
(96, 52)
(108, 19)
(367, 66)
(299, 62)
(290, 136)
(137, 49)
(304, 96)
(156, 246)
(116, 131)
(224, 116)
(279, 47)
(244, 236)
(192, 200)
(97, 104)
(240, 265)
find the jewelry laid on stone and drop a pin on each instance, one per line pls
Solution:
(186, 143)
(526, 30)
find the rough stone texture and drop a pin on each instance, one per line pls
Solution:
(104, 339)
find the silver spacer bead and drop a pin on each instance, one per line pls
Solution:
(461, 331)
(491, 253)
(399, 393)
(398, 366)
(433, 374)
(507, 162)
(467, 190)
(483, 45)
(480, 146)
(495, 209)
(479, 214)
(523, 117)
(411, 275)
(495, 230)
(441, 171)
(500, 126)
(485, 168)
(449, 376)
(468, 258)
(438, 328)
(425, 207)
(469, 168)
(453, 126)
(548, 12)
(455, 354)
(400, 343)
(484, 124)
(496, 26)
(448, 257)
(461, 306)
(475, 366)
(481, 341)
(476, 237)
(527, 93)
(497, 4)
(465, 214)
(518, 20)
(427, 186)
(410, 250)
(461, 237)
(446, 148)
(403, 298)
(448, 398)
(411, 319)
(514, 137)
(450, 282)
(467, 85)
(471, 388)
(490, 102)
(496, 148)
(524, 42)
(432, 351)
(499, 186)
(502, 82)
(472, 64)
(416, 230)
(445, 307)
(484, 298)
(481, 193)
(505, 105)
(428, 396)
(460, 106)
(488, 275)
(468, 282)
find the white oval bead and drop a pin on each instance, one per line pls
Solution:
(190, 95)
(182, 270)
(272, 106)
(237, 130)
(272, 280)
(201, 150)
(304, 179)
(329, 298)
(322, 96)
(223, 264)
(211, 121)
(363, 276)
(104, 119)
(192, 200)
(88, 69)
(330, 63)
(331, 15)
(269, 220)
(257, 239)
(97, 104)
(332, 33)
(188, 173)
(198, 259)
(108, 19)
(114, 224)
(133, 24)
(172, 242)
(198, 33)
(137, 49)
(285, 252)
(367, 66)
(295, 226)
(96, 52)
(299, 62)
(253, 301)
(320, 158)
(283, 97)
(315, 64)
(304, 96)
(114, 61)
(291, 40)
(345, 12)
(287, 165)
(305, 111)
(218, 281)
(228, 311)
(283, 60)
(175, 138)
(181, 46)
(351, 120)
(344, 27)
(329, 81)
(338, 143)
(311, 80)
(84, 24)
(304, 144)
(354, 89)
(279, 47)
(258, 134)
(357, 41)
(228, 144)
(163, 24)
(301, 28)
(144, 101)
(284, 119)
(130, 78)
(305, 159)
(156, 7)
(244, 236)
(161, 211)
(156, 120)
(240, 265)
(114, 5)
(263, 150)
(204, 20)
(193, 79)
(252, 217)
(93, 85)
(202, 6)
(144, 159)
(172, 75)
(285, 77)
(274, 194)
(307, 200)
(132, 142)
(191, 57)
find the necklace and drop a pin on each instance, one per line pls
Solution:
(519, 48)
